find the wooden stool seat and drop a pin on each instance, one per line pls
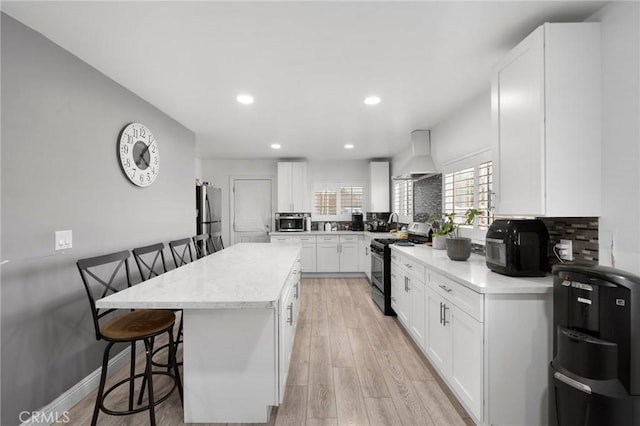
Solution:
(138, 325)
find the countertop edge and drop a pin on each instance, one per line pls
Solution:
(522, 288)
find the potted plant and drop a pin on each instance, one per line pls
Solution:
(459, 248)
(440, 230)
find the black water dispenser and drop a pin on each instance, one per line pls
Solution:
(594, 378)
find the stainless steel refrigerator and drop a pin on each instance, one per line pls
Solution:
(209, 213)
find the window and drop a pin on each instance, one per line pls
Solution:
(467, 184)
(403, 200)
(337, 201)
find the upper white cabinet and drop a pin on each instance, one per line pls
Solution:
(292, 187)
(546, 114)
(379, 182)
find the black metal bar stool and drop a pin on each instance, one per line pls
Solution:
(200, 243)
(214, 242)
(181, 251)
(128, 327)
(151, 263)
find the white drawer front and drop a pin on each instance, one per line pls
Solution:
(328, 238)
(345, 238)
(467, 300)
(306, 240)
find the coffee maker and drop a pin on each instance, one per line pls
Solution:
(357, 223)
(594, 378)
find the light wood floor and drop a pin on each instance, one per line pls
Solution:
(351, 365)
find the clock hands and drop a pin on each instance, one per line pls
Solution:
(141, 157)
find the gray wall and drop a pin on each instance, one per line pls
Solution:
(60, 121)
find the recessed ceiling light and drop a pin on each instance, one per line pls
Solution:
(372, 100)
(275, 146)
(348, 146)
(245, 99)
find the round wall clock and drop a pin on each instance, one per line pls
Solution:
(139, 156)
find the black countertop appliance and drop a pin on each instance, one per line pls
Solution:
(518, 247)
(594, 377)
(357, 222)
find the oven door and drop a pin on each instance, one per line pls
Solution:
(377, 270)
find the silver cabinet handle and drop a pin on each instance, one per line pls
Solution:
(444, 314)
(445, 288)
(406, 284)
(440, 312)
(297, 294)
(408, 266)
(393, 275)
(290, 309)
(366, 251)
(393, 299)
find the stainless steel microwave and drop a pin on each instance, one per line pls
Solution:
(290, 222)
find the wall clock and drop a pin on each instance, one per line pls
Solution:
(139, 155)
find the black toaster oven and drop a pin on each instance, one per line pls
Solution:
(518, 247)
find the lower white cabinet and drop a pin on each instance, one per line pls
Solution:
(338, 253)
(408, 296)
(365, 256)
(308, 254)
(327, 254)
(455, 338)
(288, 317)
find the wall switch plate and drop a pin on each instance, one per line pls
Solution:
(64, 240)
(566, 249)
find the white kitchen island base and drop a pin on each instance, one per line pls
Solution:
(240, 309)
(230, 365)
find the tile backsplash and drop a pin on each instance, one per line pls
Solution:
(583, 231)
(427, 198)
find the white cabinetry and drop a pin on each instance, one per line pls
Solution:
(327, 255)
(455, 338)
(338, 253)
(292, 187)
(288, 315)
(546, 109)
(379, 182)
(365, 256)
(308, 254)
(408, 295)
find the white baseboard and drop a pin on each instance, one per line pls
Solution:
(58, 408)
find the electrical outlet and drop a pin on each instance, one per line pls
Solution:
(63, 240)
(565, 249)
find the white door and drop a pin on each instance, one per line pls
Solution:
(438, 334)
(418, 310)
(327, 256)
(251, 210)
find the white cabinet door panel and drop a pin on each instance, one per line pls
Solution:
(438, 336)
(327, 257)
(467, 359)
(418, 310)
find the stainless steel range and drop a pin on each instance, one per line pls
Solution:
(418, 233)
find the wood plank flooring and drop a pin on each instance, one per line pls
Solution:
(350, 365)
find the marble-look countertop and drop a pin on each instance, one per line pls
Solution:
(247, 275)
(473, 272)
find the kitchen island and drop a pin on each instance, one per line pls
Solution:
(240, 310)
(488, 335)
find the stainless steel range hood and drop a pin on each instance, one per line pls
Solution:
(420, 165)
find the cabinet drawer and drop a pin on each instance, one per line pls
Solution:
(328, 238)
(304, 240)
(395, 258)
(346, 238)
(467, 300)
(413, 268)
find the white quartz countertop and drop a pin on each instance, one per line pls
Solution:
(247, 275)
(473, 273)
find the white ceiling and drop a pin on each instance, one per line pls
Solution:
(309, 65)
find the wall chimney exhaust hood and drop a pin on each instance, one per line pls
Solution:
(420, 165)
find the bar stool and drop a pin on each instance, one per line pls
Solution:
(151, 263)
(200, 243)
(181, 251)
(129, 327)
(214, 242)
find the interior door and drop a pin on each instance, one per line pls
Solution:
(251, 210)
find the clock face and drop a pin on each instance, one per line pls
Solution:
(139, 156)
